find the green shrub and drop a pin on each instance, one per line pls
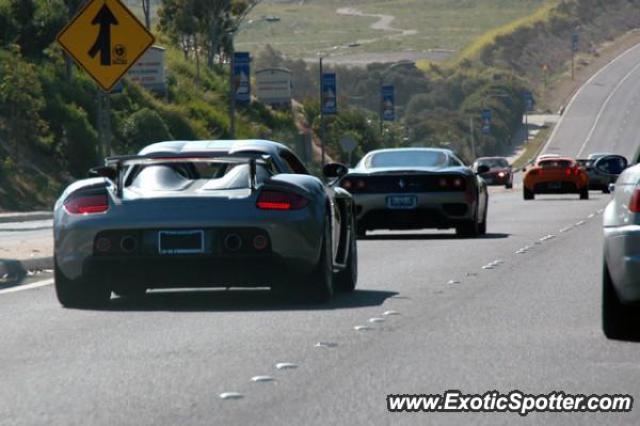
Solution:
(143, 128)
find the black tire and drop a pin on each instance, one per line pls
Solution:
(320, 288)
(482, 227)
(361, 232)
(618, 321)
(528, 195)
(509, 185)
(470, 229)
(80, 293)
(605, 190)
(584, 194)
(347, 278)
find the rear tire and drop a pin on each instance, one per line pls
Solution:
(470, 229)
(605, 190)
(509, 185)
(321, 285)
(79, 293)
(618, 320)
(528, 195)
(347, 279)
(584, 194)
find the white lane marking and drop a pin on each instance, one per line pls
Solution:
(580, 223)
(591, 215)
(376, 320)
(604, 106)
(579, 91)
(389, 313)
(231, 395)
(262, 379)
(325, 345)
(27, 286)
(286, 366)
(362, 328)
(453, 282)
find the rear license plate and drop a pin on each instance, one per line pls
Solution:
(403, 202)
(181, 242)
(555, 185)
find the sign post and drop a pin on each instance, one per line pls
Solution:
(387, 106)
(527, 96)
(486, 121)
(328, 102)
(242, 77)
(106, 40)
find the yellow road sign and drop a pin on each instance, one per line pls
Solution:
(105, 39)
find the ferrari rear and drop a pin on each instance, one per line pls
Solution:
(556, 175)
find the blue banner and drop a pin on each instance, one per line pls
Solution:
(388, 103)
(329, 94)
(528, 101)
(486, 121)
(242, 77)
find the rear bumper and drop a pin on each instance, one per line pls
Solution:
(562, 187)
(622, 255)
(191, 271)
(433, 210)
(496, 180)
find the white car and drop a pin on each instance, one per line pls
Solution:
(621, 266)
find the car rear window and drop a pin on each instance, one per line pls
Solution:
(493, 162)
(548, 164)
(408, 158)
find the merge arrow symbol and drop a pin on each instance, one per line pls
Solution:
(105, 19)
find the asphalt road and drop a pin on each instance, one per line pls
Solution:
(529, 322)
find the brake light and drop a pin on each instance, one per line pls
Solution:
(346, 184)
(360, 184)
(568, 172)
(279, 200)
(634, 205)
(87, 204)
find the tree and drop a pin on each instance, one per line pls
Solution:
(21, 100)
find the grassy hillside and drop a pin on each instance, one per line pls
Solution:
(307, 27)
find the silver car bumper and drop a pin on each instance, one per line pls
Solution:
(295, 239)
(432, 210)
(622, 254)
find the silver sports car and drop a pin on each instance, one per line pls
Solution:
(204, 213)
(621, 270)
(414, 188)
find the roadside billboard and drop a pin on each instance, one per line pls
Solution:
(274, 86)
(149, 70)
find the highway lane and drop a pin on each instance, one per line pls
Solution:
(166, 359)
(531, 322)
(604, 114)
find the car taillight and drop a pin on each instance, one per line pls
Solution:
(361, 184)
(87, 204)
(568, 172)
(346, 184)
(634, 205)
(279, 200)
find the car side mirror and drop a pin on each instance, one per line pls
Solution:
(334, 170)
(482, 169)
(103, 171)
(612, 188)
(611, 165)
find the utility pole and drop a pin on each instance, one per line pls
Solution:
(104, 123)
(321, 115)
(232, 91)
(473, 139)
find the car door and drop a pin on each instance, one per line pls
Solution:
(610, 167)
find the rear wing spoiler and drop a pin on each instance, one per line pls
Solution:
(121, 162)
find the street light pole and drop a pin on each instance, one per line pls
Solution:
(232, 91)
(322, 153)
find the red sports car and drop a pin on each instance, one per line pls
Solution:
(499, 173)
